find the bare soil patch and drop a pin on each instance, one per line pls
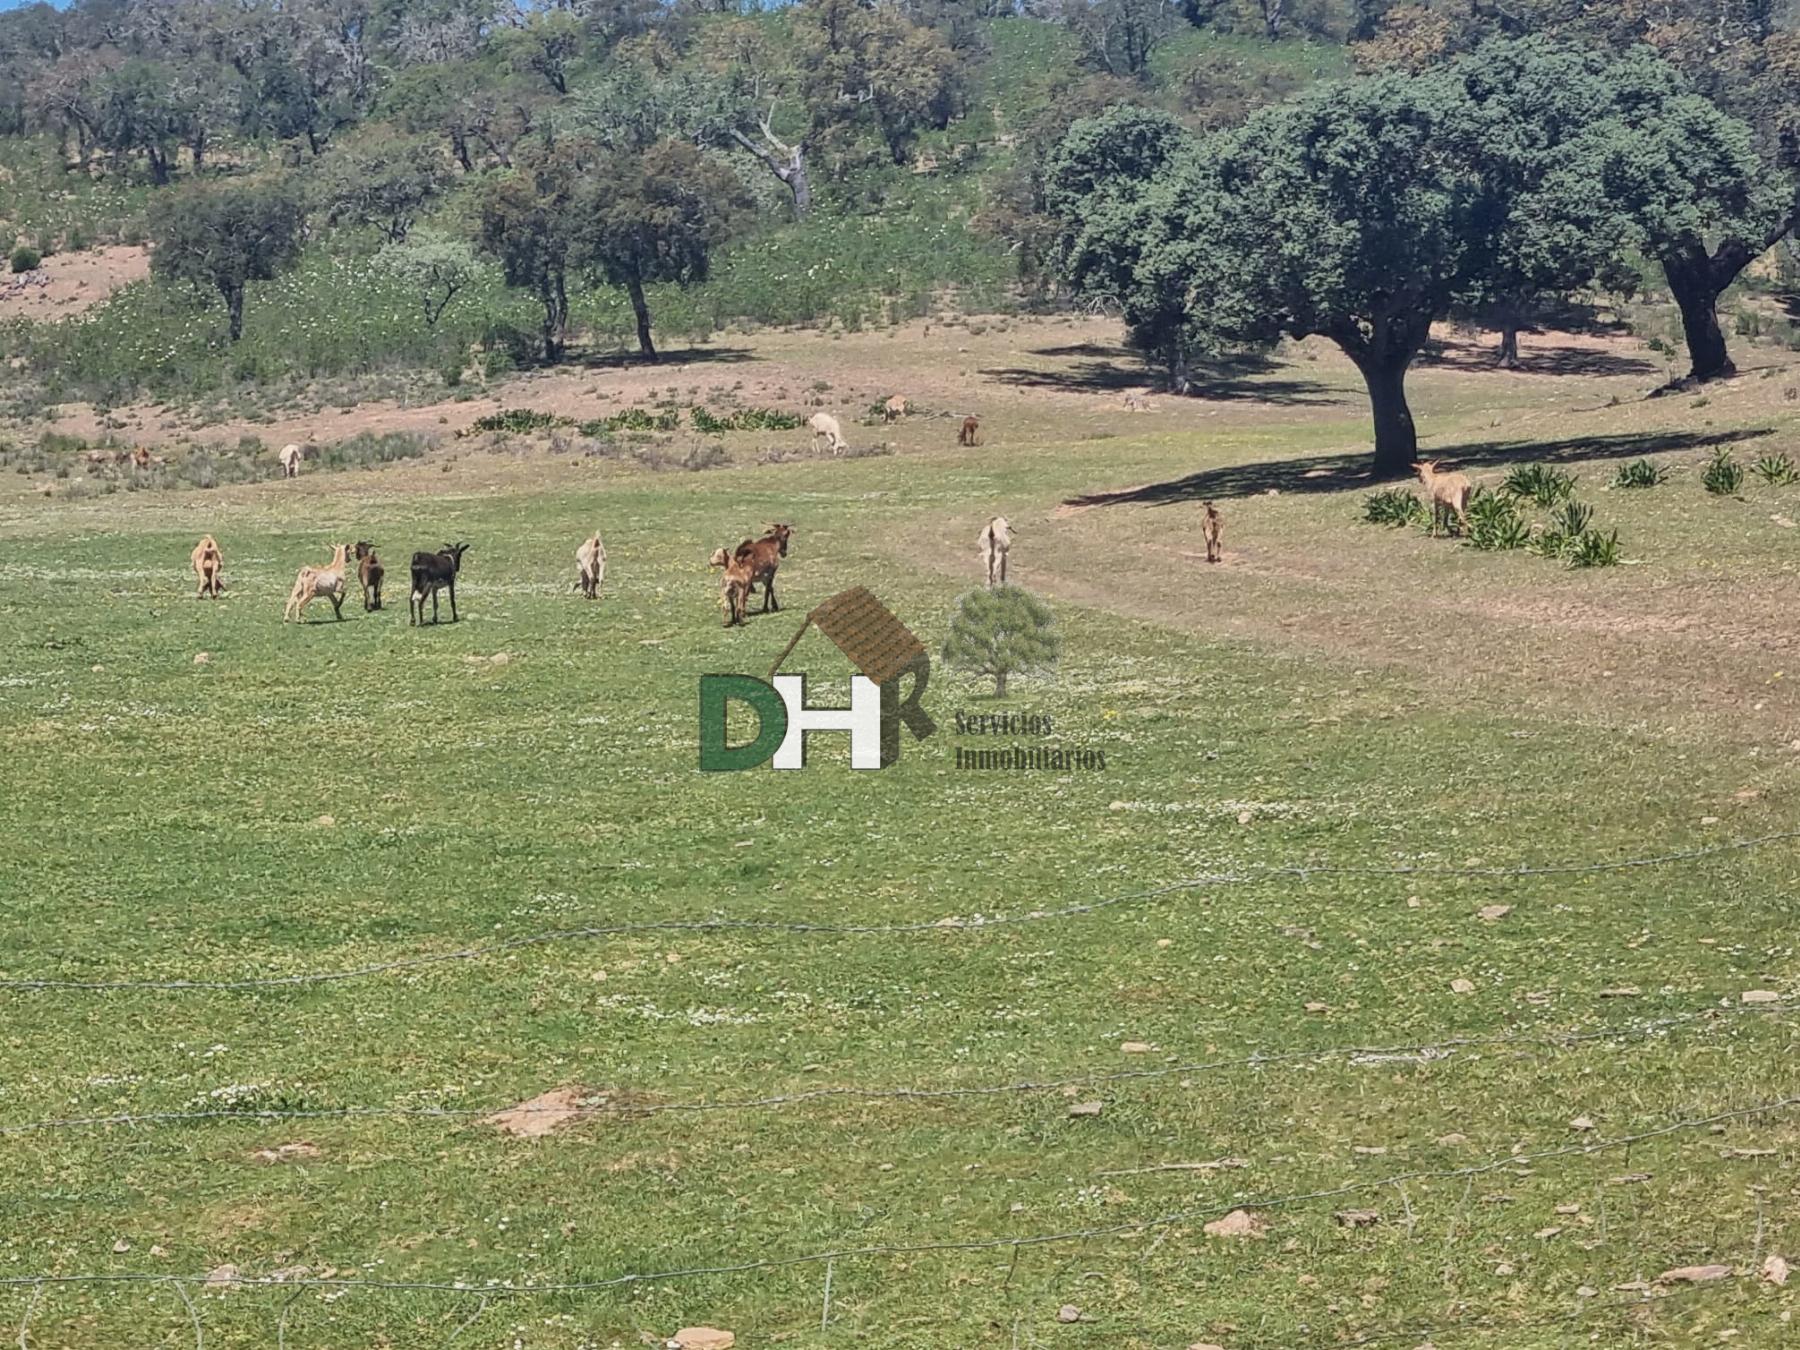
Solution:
(65, 284)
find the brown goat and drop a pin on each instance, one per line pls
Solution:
(763, 556)
(970, 433)
(1448, 492)
(369, 571)
(735, 588)
(209, 567)
(1212, 528)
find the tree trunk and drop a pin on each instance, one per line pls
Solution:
(554, 298)
(459, 146)
(1000, 685)
(1694, 281)
(1396, 438)
(786, 162)
(234, 309)
(1509, 344)
(642, 309)
(197, 145)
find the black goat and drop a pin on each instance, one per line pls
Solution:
(432, 572)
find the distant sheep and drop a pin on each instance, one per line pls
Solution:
(1448, 492)
(824, 424)
(314, 582)
(590, 564)
(995, 542)
(209, 567)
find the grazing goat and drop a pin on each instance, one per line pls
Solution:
(970, 433)
(370, 572)
(209, 566)
(824, 424)
(1211, 527)
(313, 582)
(895, 408)
(431, 573)
(290, 458)
(763, 556)
(590, 562)
(1448, 492)
(995, 542)
(734, 595)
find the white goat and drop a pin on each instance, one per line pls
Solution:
(290, 458)
(995, 543)
(824, 424)
(590, 562)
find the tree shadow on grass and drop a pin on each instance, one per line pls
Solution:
(1536, 361)
(683, 356)
(1349, 473)
(1113, 370)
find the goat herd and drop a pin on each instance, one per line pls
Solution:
(753, 562)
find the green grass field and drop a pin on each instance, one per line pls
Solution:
(323, 797)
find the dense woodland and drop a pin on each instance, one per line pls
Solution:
(335, 187)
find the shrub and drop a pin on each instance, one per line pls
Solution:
(745, 419)
(1777, 470)
(1393, 507)
(1000, 632)
(1539, 483)
(1572, 518)
(1640, 473)
(1593, 549)
(25, 259)
(1723, 476)
(517, 421)
(1495, 524)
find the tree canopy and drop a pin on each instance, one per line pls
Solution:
(222, 238)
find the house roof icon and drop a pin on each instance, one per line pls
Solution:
(865, 631)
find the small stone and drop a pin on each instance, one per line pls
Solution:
(1545, 1234)
(886, 1167)
(1244, 817)
(1775, 1271)
(121, 1247)
(1317, 1008)
(1505, 1270)
(1709, 820)
(201, 658)
(500, 659)
(221, 1277)
(1461, 986)
(1567, 1210)
(1136, 1048)
(1165, 943)
(1492, 912)
(1084, 1109)
(1586, 1291)
(1068, 1313)
(1357, 1218)
(1759, 996)
(702, 1338)
(1452, 1140)
(1238, 1223)
(1581, 1124)
(158, 1251)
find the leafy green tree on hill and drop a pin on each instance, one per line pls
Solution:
(384, 181)
(1000, 632)
(435, 269)
(529, 222)
(223, 237)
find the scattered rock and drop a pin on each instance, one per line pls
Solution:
(1084, 1109)
(201, 658)
(1244, 817)
(702, 1338)
(1545, 1234)
(1581, 1124)
(500, 659)
(1461, 986)
(1136, 1048)
(325, 822)
(535, 1118)
(1694, 1275)
(299, 1150)
(1586, 1291)
(121, 1247)
(1452, 1140)
(1068, 1313)
(1491, 912)
(1506, 1270)
(1567, 1210)
(158, 1251)
(1775, 1271)
(1317, 1008)
(1628, 991)
(1759, 996)
(1165, 943)
(1238, 1223)
(221, 1277)
(1357, 1218)
(1629, 1179)
(1709, 820)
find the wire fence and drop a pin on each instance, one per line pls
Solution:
(1240, 877)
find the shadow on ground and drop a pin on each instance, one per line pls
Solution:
(1104, 370)
(1536, 361)
(684, 356)
(1346, 473)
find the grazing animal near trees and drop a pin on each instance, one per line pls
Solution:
(431, 573)
(895, 408)
(1449, 492)
(1211, 526)
(590, 562)
(970, 433)
(289, 459)
(995, 541)
(764, 557)
(209, 566)
(824, 424)
(314, 582)
(735, 586)
(370, 572)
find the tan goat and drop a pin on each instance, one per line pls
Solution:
(1212, 529)
(590, 562)
(314, 582)
(895, 408)
(995, 542)
(1448, 492)
(209, 567)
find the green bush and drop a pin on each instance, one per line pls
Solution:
(25, 259)
(515, 421)
(1723, 476)
(1393, 507)
(1495, 524)
(1539, 483)
(1640, 473)
(1593, 549)
(1777, 470)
